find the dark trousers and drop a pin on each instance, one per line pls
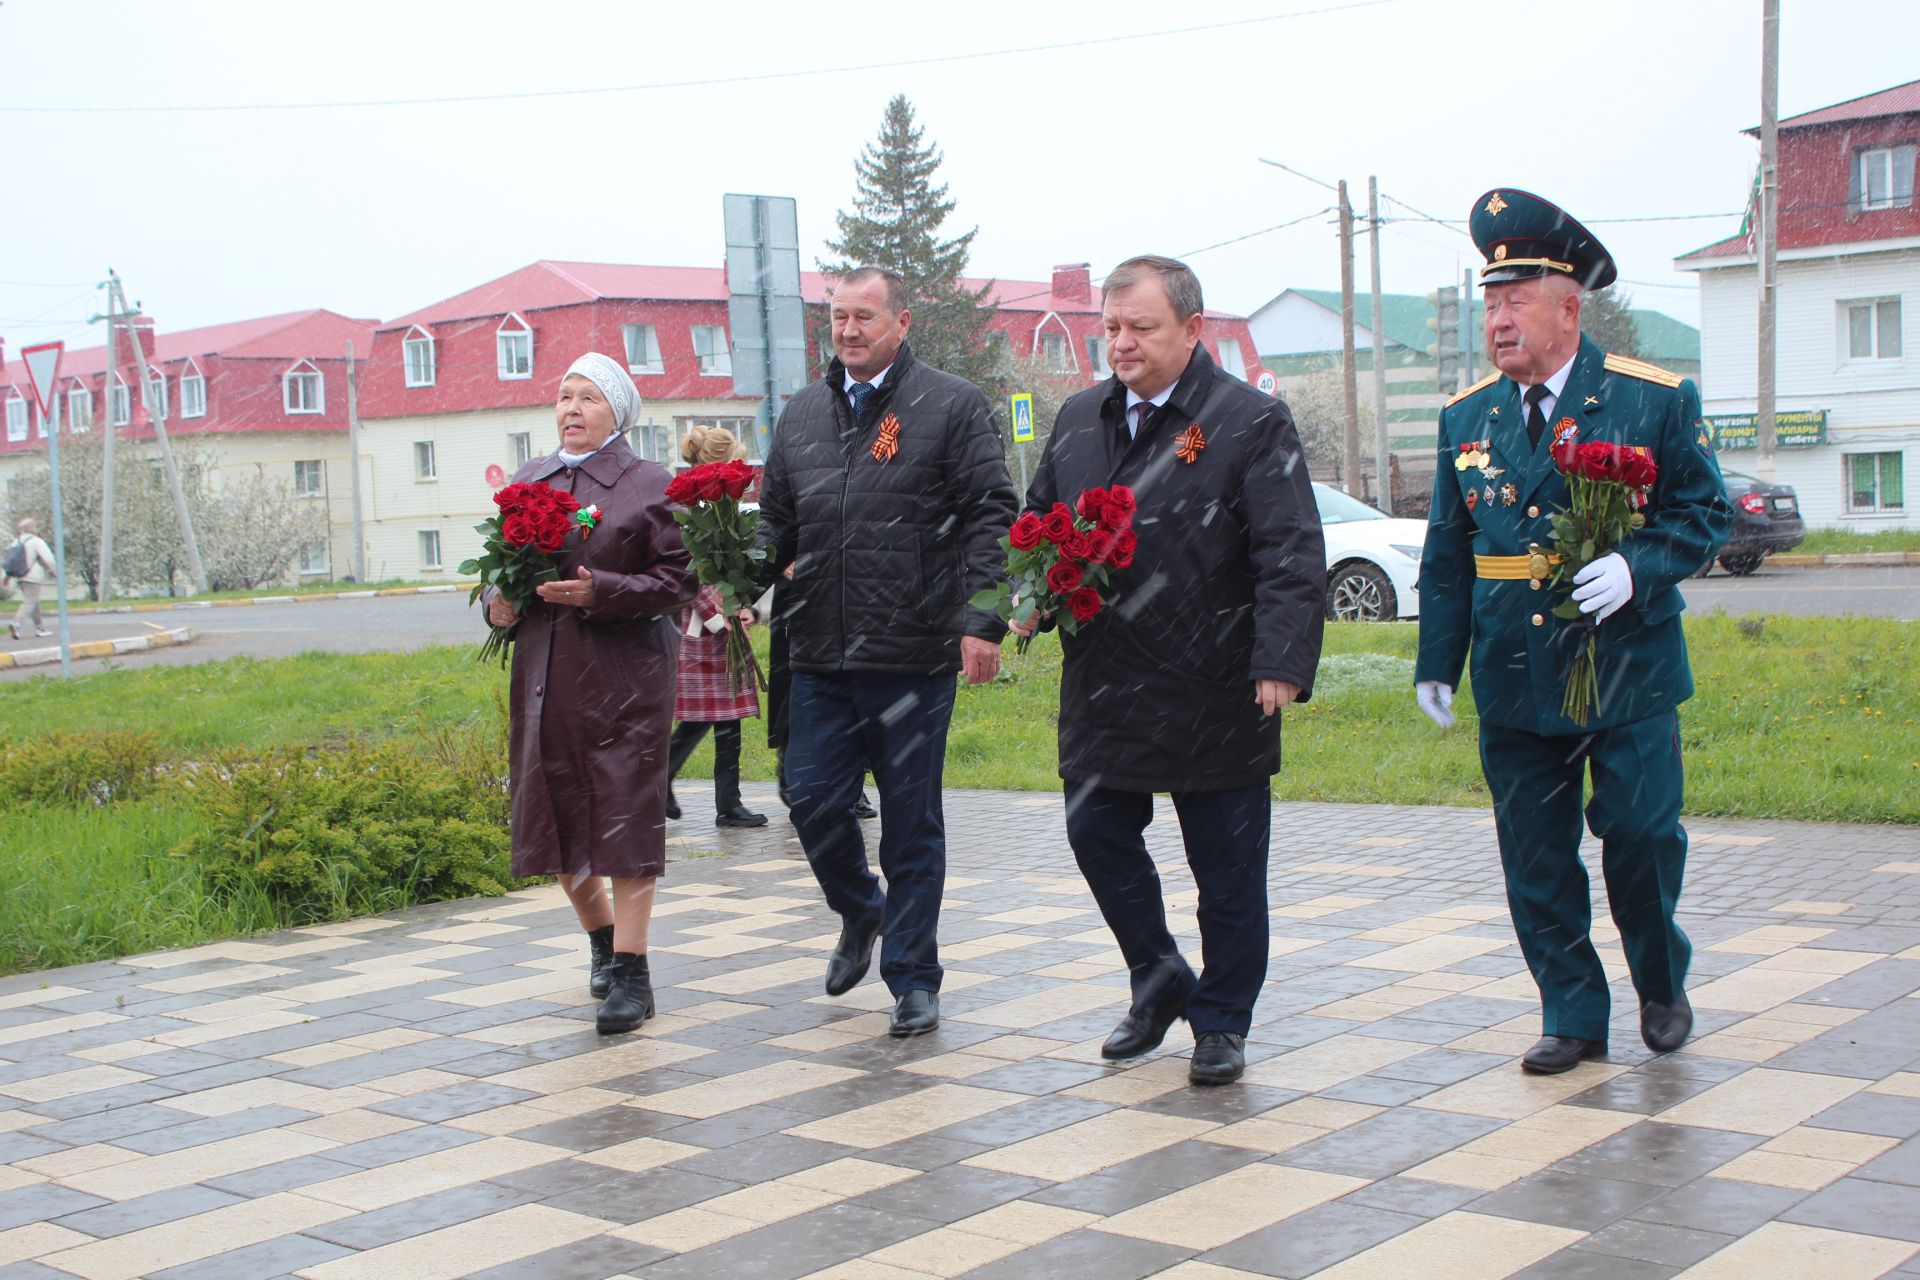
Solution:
(838, 724)
(1226, 834)
(1635, 811)
(726, 757)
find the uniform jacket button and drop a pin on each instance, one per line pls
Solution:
(1534, 583)
(1539, 619)
(540, 688)
(1533, 513)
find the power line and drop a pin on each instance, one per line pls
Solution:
(707, 81)
(1278, 226)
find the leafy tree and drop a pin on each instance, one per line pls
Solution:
(252, 533)
(1607, 317)
(898, 213)
(1318, 402)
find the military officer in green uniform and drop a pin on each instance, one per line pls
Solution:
(1484, 591)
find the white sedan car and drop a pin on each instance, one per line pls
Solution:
(1373, 560)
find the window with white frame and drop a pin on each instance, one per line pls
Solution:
(303, 390)
(121, 408)
(513, 347)
(1870, 329)
(309, 478)
(1230, 360)
(16, 417)
(155, 396)
(429, 548)
(1876, 482)
(79, 407)
(710, 349)
(643, 348)
(520, 444)
(313, 558)
(1883, 178)
(424, 465)
(1053, 349)
(193, 392)
(1097, 357)
(418, 350)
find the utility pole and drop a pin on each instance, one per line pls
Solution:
(1349, 376)
(353, 470)
(1466, 329)
(1769, 224)
(113, 318)
(196, 571)
(1382, 450)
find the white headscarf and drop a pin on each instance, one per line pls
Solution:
(611, 377)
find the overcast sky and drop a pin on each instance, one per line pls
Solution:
(1625, 110)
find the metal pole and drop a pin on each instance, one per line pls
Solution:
(1349, 376)
(1769, 217)
(763, 279)
(1382, 446)
(196, 571)
(105, 587)
(1466, 330)
(353, 467)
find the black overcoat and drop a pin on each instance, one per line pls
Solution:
(1228, 586)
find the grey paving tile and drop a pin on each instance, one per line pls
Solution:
(1025, 1120)
(761, 1159)
(286, 1175)
(592, 1259)
(1571, 1265)
(948, 1194)
(796, 1247)
(415, 1217)
(1720, 1205)
(1560, 1199)
(1862, 1206)
(146, 1211)
(1387, 1143)
(1415, 1196)
(1312, 1241)
(192, 1131)
(408, 1143)
(273, 1258)
(1085, 1253)
(1654, 1242)
(734, 1126)
(1659, 1154)
(1901, 1164)
(40, 1203)
(1877, 1113)
(612, 1194)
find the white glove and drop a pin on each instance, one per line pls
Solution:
(1603, 586)
(1436, 700)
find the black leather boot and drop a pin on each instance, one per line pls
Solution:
(680, 744)
(727, 809)
(600, 964)
(629, 999)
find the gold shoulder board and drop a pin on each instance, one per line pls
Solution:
(1642, 370)
(1481, 385)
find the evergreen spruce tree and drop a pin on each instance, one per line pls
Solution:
(1607, 317)
(896, 220)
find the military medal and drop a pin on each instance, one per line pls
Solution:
(1473, 499)
(1509, 495)
(1565, 432)
(1489, 495)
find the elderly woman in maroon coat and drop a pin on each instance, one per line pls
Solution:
(593, 674)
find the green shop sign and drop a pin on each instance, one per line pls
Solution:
(1798, 429)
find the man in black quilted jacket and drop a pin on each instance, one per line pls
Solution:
(883, 505)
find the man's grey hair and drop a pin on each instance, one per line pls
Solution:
(1176, 277)
(899, 296)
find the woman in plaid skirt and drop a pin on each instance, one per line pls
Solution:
(704, 696)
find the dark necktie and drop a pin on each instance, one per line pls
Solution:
(1536, 420)
(857, 396)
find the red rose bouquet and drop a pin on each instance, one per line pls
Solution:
(516, 552)
(1058, 562)
(1607, 485)
(720, 538)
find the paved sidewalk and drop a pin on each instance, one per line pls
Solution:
(422, 1095)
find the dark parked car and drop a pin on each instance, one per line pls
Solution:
(1766, 519)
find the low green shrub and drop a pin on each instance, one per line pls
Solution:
(351, 829)
(79, 768)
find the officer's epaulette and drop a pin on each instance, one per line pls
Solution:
(1481, 385)
(1642, 370)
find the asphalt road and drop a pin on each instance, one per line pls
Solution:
(408, 622)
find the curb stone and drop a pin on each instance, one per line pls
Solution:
(97, 648)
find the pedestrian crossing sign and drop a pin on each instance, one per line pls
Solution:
(1022, 417)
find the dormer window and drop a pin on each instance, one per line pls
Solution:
(303, 389)
(121, 407)
(513, 346)
(155, 396)
(16, 418)
(193, 392)
(418, 350)
(1883, 178)
(79, 407)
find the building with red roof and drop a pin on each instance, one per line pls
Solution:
(1847, 378)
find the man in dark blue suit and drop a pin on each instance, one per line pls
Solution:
(1484, 582)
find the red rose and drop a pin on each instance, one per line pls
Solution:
(1025, 534)
(1120, 503)
(1100, 545)
(1638, 470)
(1092, 506)
(1075, 546)
(516, 529)
(680, 490)
(1064, 577)
(1084, 604)
(737, 477)
(1057, 523)
(1123, 546)
(712, 485)
(566, 502)
(553, 535)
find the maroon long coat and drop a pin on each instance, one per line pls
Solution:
(592, 700)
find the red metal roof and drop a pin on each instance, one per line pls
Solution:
(1900, 100)
(294, 335)
(1734, 246)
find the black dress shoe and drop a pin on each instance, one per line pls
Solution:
(600, 964)
(1218, 1058)
(850, 958)
(915, 1013)
(1555, 1054)
(1665, 1027)
(673, 807)
(629, 999)
(863, 810)
(738, 815)
(1142, 1030)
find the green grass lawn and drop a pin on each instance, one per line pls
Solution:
(306, 587)
(1828, 542)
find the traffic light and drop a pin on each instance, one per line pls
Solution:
(1445, 350)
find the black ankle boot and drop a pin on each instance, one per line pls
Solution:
(600, 966)
(629, 999)
(728, 811)
(673, 807)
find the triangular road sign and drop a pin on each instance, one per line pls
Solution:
(43, 366)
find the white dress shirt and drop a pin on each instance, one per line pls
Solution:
(1133, 421)
(1555, 385)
